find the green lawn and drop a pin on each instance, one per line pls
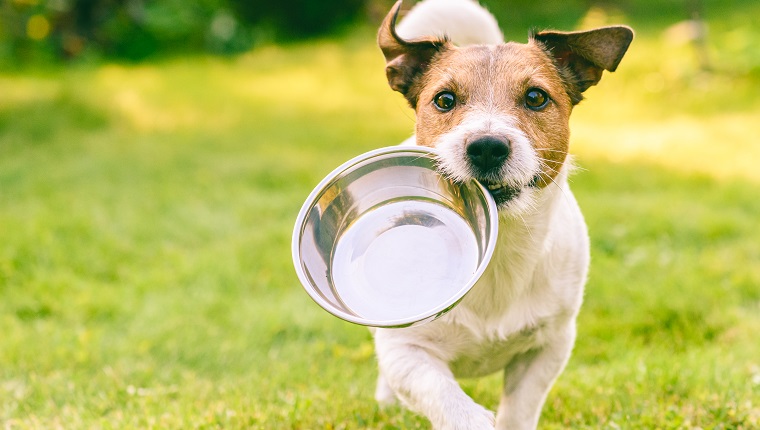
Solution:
(145, 269)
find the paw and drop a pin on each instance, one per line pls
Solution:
(384, 394)
(386, 399)
(474, 418)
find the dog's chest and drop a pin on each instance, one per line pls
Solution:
(494, 326)
(483, 357)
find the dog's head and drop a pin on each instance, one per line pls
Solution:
(499, 113)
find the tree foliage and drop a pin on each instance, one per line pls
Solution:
(136, 29)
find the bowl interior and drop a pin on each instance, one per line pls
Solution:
(386, 241)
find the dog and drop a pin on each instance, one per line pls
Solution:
(498, 113)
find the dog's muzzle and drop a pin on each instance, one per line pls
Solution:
(487, 156)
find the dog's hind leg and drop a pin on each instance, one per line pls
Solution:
(425, 385)
(528, 378)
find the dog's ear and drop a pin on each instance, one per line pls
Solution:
(406, 60)
(586, 54)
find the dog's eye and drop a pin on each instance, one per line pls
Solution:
(444, 101)
(536, 99)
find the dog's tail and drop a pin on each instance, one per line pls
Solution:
(464, 22)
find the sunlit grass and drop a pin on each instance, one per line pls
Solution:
(659, 108)
(145, 269)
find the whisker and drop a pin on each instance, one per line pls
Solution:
(545, 176)
(573, 166)
(543, 163)
(577, 167)
(527, 227)
(562, 190)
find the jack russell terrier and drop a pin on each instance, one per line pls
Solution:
(498, 112)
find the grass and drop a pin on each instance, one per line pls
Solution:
(145, 269)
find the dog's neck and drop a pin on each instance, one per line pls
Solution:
(522, 244)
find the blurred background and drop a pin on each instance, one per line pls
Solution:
(137, 29)
(154, 155)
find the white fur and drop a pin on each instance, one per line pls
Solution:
(517, 172)
(521, 165)
(465, 22)
(520, 316)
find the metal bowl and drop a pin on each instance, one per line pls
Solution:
(386, 241)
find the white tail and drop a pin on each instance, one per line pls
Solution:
(464, 22)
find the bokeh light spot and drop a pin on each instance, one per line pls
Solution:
(38, 27)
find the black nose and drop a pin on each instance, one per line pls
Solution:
(488, 153)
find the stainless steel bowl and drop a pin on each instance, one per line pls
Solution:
(386, 241)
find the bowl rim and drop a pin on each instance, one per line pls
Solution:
(433, 313)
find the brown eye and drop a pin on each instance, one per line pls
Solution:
(536, 99)
(445, 101)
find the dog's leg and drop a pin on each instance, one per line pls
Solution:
(527, 380)
(384, 394)
(425, 385)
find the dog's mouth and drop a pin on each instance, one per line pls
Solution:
(501, 193)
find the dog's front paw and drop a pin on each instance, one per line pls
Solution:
(384, 394)
(473, 418)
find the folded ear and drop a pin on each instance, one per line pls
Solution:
(406, 60)
(586, 54)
